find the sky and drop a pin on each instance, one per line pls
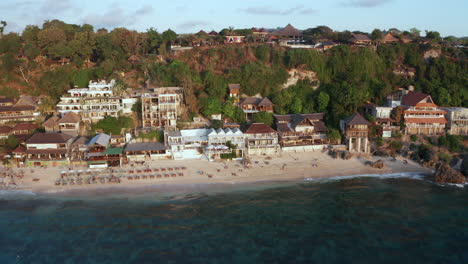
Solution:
(189, 16)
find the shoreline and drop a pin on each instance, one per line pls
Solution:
(289, 167)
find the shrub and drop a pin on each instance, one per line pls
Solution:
(413, 138)
(444, 156)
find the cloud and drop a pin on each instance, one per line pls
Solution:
(193, 23)
(57, 7)
(365, 3)
(116, 16)
(268, 10)
(144, 10)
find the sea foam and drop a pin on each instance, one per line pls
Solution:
(408, 175)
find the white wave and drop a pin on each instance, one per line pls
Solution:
(409, 175)
(17, 193)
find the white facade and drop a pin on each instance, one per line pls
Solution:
(95, 102)
(381, 111)
(188, 143)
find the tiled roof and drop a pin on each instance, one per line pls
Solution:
(423, 120)
(265, 102)
(51, 122)
(360, 37)
(320, 126)
(234, 86)
(5, 129)
(356, 119)
(70, 117)
(250, 100)
(289, 30)
(20, 149)
(259, 128)
(44, 138)
(283, 127)
(412, 98)
(25, 126)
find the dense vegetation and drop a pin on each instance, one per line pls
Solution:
(58, 56)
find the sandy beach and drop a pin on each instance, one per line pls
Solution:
(286, 167)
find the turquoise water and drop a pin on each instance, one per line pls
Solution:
(358, 220)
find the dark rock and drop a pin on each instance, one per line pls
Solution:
(446, 174)
(378, 164)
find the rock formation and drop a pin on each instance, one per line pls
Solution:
(446, 174)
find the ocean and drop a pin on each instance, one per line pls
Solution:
(387, 219)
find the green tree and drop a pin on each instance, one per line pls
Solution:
(263, 117)
(376, 34)
(80, 78)
(334, 135)
(322, 101)
(12, 142)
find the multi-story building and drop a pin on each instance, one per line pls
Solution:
(24, 110)
(224, 141)
(301, 131)
(457, 118)
(261, 140)
(50, 149)
(162, 107)
(101, 155)
(422, 115)
(188, 143)
(95, 102)
(356, 130)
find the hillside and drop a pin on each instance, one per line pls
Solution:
(48, 61)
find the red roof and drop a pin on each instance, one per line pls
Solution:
(259, 128)
(20, 149)
(272, 38)
(413, 98)
(425, 112)
(422, 120)
(25, 126)
(5, 129)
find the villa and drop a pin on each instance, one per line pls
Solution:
(252, 105)
(188, 143)
(95, 102)
(24, 110)
(225, 141)
(422, 115)
(301, 131)
(50, 149)
(262, 140)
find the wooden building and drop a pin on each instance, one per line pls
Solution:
(360, 39)
(301, 131)
(356, 130)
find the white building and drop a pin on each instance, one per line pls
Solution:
(95, 102)
(457, 118)
(225, 141)
(188, 143)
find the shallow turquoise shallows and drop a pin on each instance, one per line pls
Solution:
(358, 220)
